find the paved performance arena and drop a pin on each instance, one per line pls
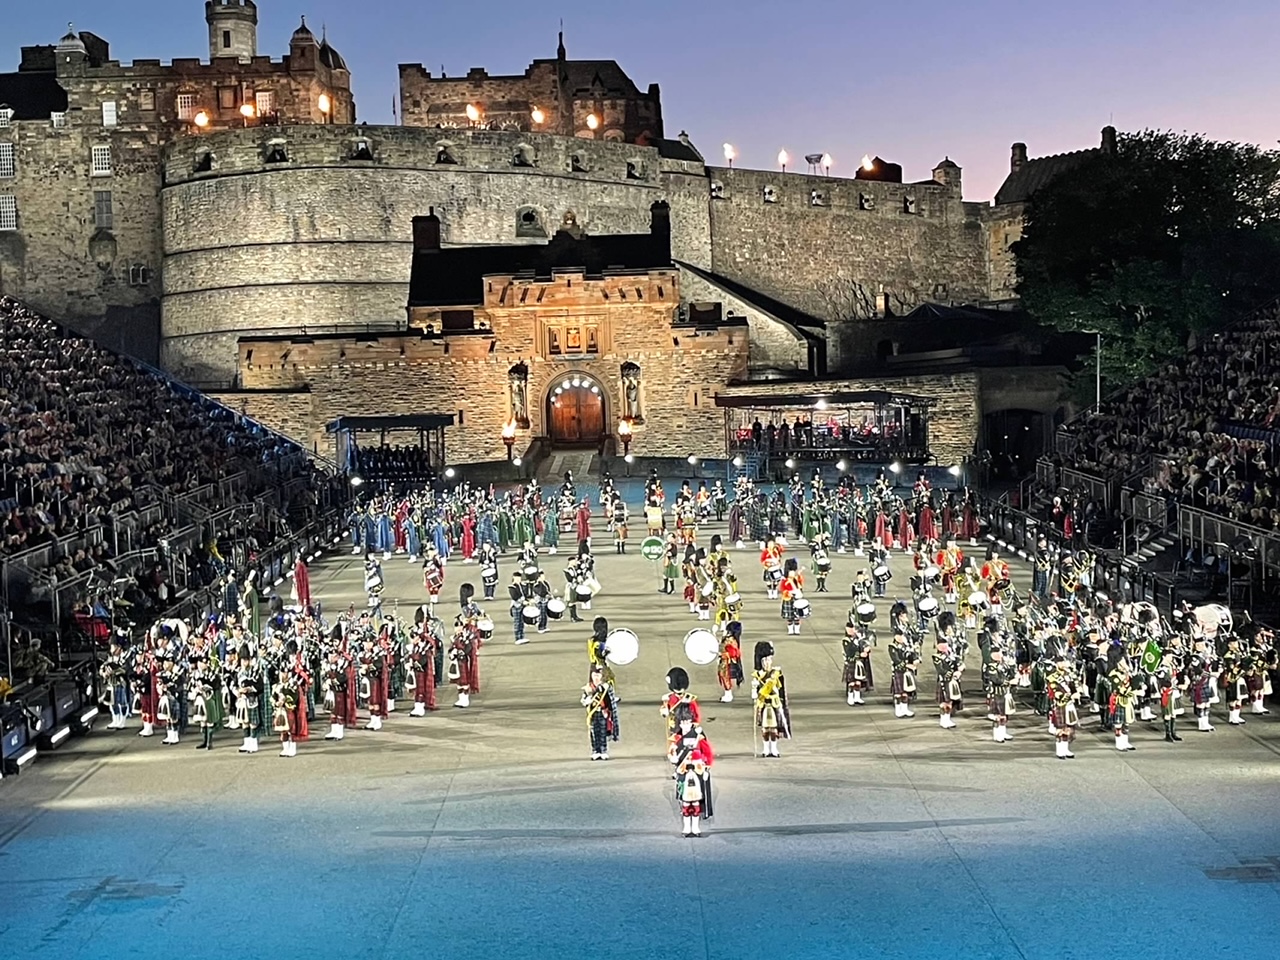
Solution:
(487, 832)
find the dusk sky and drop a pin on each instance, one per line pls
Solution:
(910, 82)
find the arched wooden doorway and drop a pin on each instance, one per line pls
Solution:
(575, 412)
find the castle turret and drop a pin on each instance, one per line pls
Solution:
(1017, 157)
(233, 29)
(948, 174)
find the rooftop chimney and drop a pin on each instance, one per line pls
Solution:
(1109, 140)
(426, 231)
(1018, 157)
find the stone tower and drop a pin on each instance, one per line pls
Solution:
(233, 29)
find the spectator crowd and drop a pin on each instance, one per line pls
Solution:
(1203, 430)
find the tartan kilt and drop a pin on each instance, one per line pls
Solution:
(856, 671)
(945, 692)
(1066, 715)
(898, 687)
(788, 610)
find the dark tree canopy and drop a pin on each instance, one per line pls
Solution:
(1170, 237)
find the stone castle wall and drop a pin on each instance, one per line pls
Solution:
(324, 241)
(835, 257)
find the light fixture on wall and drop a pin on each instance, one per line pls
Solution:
(473, 113)
(730, 153)
(201, 119)
(592, 121)
(827, 161)
(783, 159)
(537, 116)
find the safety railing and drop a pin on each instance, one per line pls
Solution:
(1208, 533)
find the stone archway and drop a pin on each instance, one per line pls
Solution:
(575, 408)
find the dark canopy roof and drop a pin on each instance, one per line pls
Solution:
(835, 398)
(1034, 174)
(32, 95)
(404, 421)
(454, 276)
(806, 323)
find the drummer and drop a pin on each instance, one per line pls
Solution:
(792, 581)
(574, 578)
(820, 547)
(596, 652)
(516, 590)
(487, 556)
(880, 571)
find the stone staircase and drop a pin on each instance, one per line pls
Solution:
(577, 462)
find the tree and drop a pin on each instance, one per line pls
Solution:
(1169, 237)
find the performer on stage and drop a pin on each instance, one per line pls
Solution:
(620, 517)
(998, 675)
(792, 581)
(206, 706)
(670, 565)
(1065, 699)
(114, 673)
(904, 659)
(601, 701)
(678, 693)
(729, 668)
(1123, 701)
(463, 669)
(949, 561)
(995, 576)
(373, 681)
(949, 666)
(487, 557)
(771, 564)
(857, 662)
(294, 681)
(422, 659)
(691, 755)
(337, 691)
(246, 683)
(373, 584)
(820, 547)
(596, 653)
(769, 693)
(433, 574)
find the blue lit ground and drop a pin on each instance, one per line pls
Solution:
(487, 833)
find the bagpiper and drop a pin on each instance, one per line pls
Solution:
(771, 564)
(678, 693)
(729, 665)
(949, 667)
(769, 693)
(790, 590)
(998, 675)
(601, 701)
(691, 755)
(620, 517)
(1061, 685)
(904, 660)
(422, 659)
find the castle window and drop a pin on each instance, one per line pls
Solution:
(573, 339)
(146, 100)
(8, 212)
(104, 217)
(362, 151)
(266, 102)
(769, 194)
(204, 163)
(58, 118)
(717, 190)
(6, 116)
(100, 161)
(635, 169)
(529, 223)
(525, 156)
(110, 115)
(614, 136)
(276, 153)
(578, 164)
(8, 166)
(226, 39)
(818, 198)
(908, 204)
(227, 98)
(446, 153)
(140, 276)
(866, 201)
(186, 106)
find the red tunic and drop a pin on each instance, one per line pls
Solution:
(468, 536)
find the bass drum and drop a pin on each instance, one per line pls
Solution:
(866, 612)
(555, 608)
(1214, 619)
(701, 647)
(621, 647)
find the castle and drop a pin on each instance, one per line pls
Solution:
(198, 211)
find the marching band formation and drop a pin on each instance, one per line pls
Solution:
(1067, 648)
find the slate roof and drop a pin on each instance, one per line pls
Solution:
(675, 149)
(454, 276)
(805, 323)
(585, 74)
(31, 95)
(1020, 184)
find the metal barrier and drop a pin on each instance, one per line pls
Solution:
(1201, 530)
(1093, 487)
(1146, 508)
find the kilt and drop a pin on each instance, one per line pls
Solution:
(1066, 715)
(788, 610)
(855, 671)
(949, 694)
(899, 687)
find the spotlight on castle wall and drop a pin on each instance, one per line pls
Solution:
(537, 116)
(783, 159)
(201, 119)
(867, 163)
(592, 121)
(827, 161)
(325, 104)
(730, 153)
(473, 113)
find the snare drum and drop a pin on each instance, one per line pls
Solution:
(489, 574)
(773, 575)
(709, 589)
(882, 574)
(931, 573)
(555, 608)
(927, 607)
(802, 609)
(979, 601)
(733, 599)
(866, 612)
(824, 563)
(531, 613)
(531, 572)
(484, 627)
